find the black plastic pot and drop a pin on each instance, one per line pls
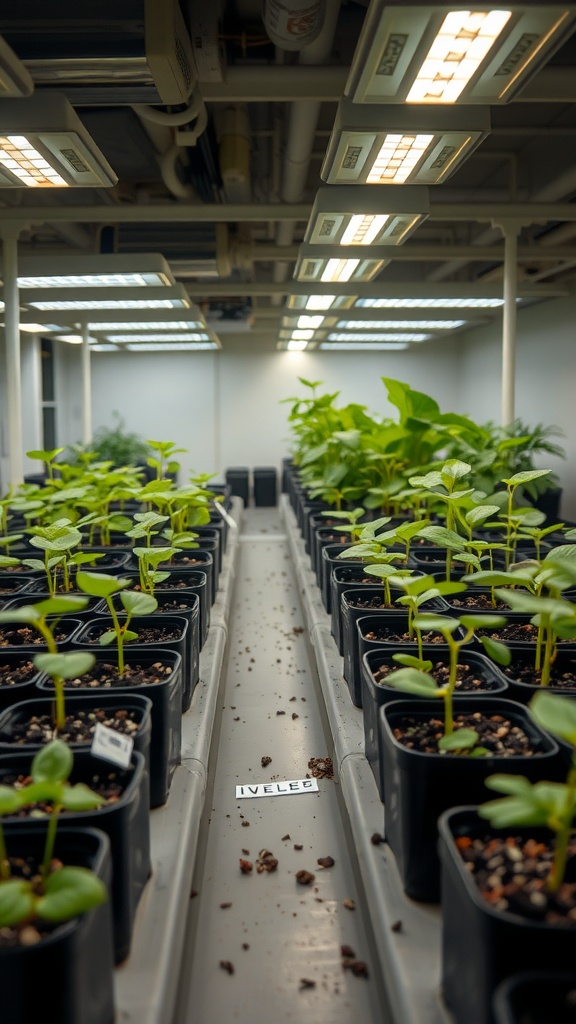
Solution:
(193, 583)
(76, 960)
(125, 822)
(35, 596)
(376, 695)
(166, 712)
(68, 627)
(322, 537)
(12, 584)
(526, 648)
(346, 577)
(186, 562)
(88, 638)
(356, 622)
(418, 787)
(537, 997)
(482, 946)
(12, 693)
(523, 692)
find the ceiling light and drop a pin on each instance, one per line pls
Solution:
(152, 325)
(43, 144)
(103, 271)
(321, 302)
(360, 346)
(81, 299)
(419, 145)
(378, 336)
(305, 321)
(316, 266)
(433, 325)
(365, 216)
(35, 328)
(427, 303)
(102, 347)
(119, 339)
(434, 54)
(296, 346)
(71, 339)
(201, 346)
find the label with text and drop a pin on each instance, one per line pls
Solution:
(112, 745)
(226, 515)
(287, 788)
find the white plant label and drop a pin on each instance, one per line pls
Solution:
(112, 745)
(226, 515)
(287, 788)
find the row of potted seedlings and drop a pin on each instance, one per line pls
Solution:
(99, 657)
(465, 614)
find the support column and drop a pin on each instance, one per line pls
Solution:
(9, 235)
(86, 386)
(510, 230)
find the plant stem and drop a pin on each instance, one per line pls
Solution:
(46, 632)
(548, 652)
(558, 871)
(4, 862)
(50, 840)
(119, 635)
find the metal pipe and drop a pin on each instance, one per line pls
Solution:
(13, 369)
(86, 386)
(510, 232)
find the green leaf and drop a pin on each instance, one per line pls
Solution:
(480, 513)
(485, 621)
(27, 613)
(461, 739)
(511, 785)
(10, 800)
(65, 666)
(100, 584)
(136, 603)
(65, 605)
(107, 638)
(411, 680)
(526, 477)
(411, 661)
(499, 653)
(520, 601)
(69, 892)
(442, 537)
(81, 798)
(454, 469)
(129, 635)
(44, 456)
(444, 588)
(556, 714)
(53, 763)
(440, 623)
(16, 902)
(381, 571)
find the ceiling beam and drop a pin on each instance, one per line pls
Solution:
(376, 289)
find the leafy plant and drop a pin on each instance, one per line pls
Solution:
(163, 462)
(117, 445)
(413, 680)
(62, 893)
(134, 604)
(552, 804)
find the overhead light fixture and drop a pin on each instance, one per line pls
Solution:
(387, 145)
(296, 335)
(115, 270)
(320, 302)
(296, 346)
(120, 339)
(378, 336)
(153, 325)
(43, 144)
(103, 347)
(81, 300)
(15, 80)
(70, 339)
(429, 303)
(303, 321)
(201, 346)
(360, 347)
(434, 54)
(366, 216)
(313, 265)
(35, 328)
(400, 325)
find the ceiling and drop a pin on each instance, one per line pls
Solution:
(225, 195)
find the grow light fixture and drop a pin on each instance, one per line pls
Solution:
(419, 145)
(433, 54)
(70, 339)
(378, 336)
(320, 302)
(366, 216)
(88, 299)
(105, 271)
(400, 325)
(360, 346)
(43, 144)
(153, 325)
(145, 336)
(201, 346)
(429, 303)
(314, 265)
(296, 346)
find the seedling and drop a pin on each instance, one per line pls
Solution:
(550, 804)
(389, 574)
(514, 517)
(413, 680)
(61, 667)
(148, 561)
(164, 462)
(145, 523)
(63, 893)
(350, 520)
(417, 592)
(57, 542)
(134, 603)
(47, 457)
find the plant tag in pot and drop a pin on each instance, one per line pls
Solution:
(112, 746)
(226, 515)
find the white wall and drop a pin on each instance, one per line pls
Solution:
(225, 407)
(545, 380)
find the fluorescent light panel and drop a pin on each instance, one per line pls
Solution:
(433, 54)
(337, 270)
(365, 217)
(296, 346)
(71, 304)
(115, 270)
(429, 303)
(201, 346)
(360, 347)
(148, 336)
(320, 302)
(432, 325)
(419, 145)
(43, 144)
(378, 336)
(152, 325)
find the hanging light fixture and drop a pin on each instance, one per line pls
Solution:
(436, 54)
(366, 216)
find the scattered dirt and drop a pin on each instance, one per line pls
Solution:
(225, 906)
(304, 877)
(265, 761)
(246, 866)
(511, 875)
(468, 680)
(285, 838)
(478, 601)
(348, 952)
(146, 634)
(280, 712)
(294, 716)
(526, 673)
(326, 862)
(321, 768)
(376, 839)
(387, 634)
(266, 862)
(396, 926)
(358, 967)
(495, 732)
(349, 904)
(298, 846)
(307, 983)
(227, 965)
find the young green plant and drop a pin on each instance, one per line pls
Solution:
(134, 604)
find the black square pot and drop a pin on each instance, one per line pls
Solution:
(126, 823)
(66, 631)
(482, 946)
(418, 787)
(356, 622)
(538, 997)
(12, 584)
(166, 712)
(12, 693)
(376, 695)
(77, 958)
(183, 582)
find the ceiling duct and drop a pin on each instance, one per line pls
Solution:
(104, 51)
